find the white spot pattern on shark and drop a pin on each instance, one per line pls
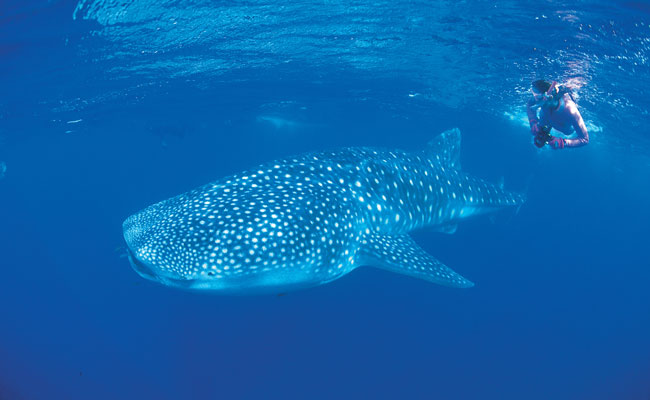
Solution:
(307, 220)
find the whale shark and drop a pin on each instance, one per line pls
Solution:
(310, 219)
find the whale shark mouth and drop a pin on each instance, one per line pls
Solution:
(140, 267)
(152, 273)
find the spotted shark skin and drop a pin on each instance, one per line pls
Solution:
(307, 220)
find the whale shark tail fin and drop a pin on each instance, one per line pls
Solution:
(446, 148)
(400, 253)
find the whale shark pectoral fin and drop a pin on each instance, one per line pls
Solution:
(400, 253)
(446, 148)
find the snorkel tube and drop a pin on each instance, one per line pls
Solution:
(552, 91)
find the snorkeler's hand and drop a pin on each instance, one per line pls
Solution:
(556, 143)
(534, 129)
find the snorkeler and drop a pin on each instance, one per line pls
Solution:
(558, 111)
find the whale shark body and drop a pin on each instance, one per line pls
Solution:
(310, 219)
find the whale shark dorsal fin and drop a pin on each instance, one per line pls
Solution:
(400, 253)
(446, 148)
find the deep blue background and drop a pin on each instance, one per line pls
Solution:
(561, 306)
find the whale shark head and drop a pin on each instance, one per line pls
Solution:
(150, 246)
(248, 234)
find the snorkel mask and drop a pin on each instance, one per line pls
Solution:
(548, 95)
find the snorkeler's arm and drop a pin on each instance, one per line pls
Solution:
(580, 128)
(531, 110)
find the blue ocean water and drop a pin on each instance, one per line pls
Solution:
(107, 106)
